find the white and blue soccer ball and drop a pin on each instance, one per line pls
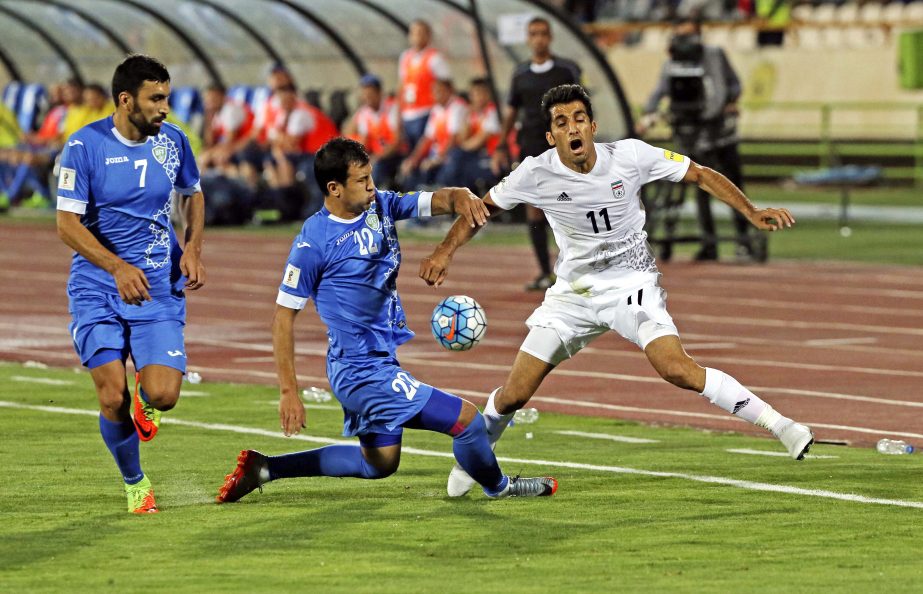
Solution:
(458, 323)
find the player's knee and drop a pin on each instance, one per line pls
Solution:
(112, 400)
(162, 399)
(380, 470)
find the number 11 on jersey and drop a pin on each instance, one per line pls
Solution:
(604, 213)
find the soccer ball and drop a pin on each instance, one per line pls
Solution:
(458, 323)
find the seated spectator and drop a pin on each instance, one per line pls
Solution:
(444, 132)
(295, 132)
(470, 164)
(95, 106)
(226, 129)
(10, 136)
(375, 124)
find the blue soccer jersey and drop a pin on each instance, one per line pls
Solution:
(349, 268)
(123, 190)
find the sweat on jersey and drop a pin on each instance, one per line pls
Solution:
(123, 191)
(349, 268)
(597, 217)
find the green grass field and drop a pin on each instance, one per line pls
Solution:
(614, 525)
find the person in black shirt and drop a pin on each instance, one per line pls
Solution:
(530, 81)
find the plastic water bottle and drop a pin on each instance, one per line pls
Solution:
(525, 416)
(894, 447)
(315, 394)
(193, 377)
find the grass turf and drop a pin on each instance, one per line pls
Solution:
(64, 524)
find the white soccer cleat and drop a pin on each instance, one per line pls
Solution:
(460, 482)
(797, 439)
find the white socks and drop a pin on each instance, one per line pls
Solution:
(726, 392)
(496, 423)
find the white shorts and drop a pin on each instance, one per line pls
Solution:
(567, 321)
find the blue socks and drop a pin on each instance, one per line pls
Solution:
(334, 460)
(122, 441)
(472, 450)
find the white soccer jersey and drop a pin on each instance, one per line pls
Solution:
(597, 217)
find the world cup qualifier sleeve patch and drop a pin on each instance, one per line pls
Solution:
(67, 180)
(292, 274)
(671, 156)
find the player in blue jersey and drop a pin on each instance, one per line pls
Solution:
(346, 259)
(128, 275)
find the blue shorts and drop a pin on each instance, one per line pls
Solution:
(377, 395)
(152, 333)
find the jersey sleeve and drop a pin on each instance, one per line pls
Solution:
(516, 188)
(406, 206)
(302, 271)
(656, 163)
(187, 177)
(74, 177)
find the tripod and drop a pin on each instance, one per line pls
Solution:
(663, 201)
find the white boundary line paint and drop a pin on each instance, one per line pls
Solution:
(564, 401)
(610, 437)
(775, 454)
(41, 380)
(715, 480)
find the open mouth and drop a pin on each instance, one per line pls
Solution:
(576, 145)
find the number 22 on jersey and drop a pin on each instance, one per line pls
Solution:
(365, 239)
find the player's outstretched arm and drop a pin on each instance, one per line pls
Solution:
(435, 267)
(461, 202)
(291, 409)
(191, 263)
(767, 219)
(130, 281)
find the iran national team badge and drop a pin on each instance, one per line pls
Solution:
(373, 222)
(618, 189)
(160, 154)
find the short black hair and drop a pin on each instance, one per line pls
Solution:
(538, 19)
(564, 94)
(133, 71)
(96, 88)
(332, 161)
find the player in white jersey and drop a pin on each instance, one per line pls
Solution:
(607, 277)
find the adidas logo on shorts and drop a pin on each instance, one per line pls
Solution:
(564, 197)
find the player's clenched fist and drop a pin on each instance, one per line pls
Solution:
(434, 268)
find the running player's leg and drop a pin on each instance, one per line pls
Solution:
(642, 318)
(117, 430)
(448, 414)
(377, 456)
(158, 350)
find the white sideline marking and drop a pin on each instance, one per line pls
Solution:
(41, 380)
(608, 436)
(703, 346)
(716, 480)
(839, 341)
(775, 454)
(193, 393)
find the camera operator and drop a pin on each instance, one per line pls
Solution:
(703, 89)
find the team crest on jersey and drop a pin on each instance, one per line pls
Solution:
(618, 189)
(160, 154)
(373, 222)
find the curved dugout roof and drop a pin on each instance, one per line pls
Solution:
(327, 44)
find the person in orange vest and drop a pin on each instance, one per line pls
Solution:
(295, 131)
(470, 165)
(443, 134)
(375, 124)
(419, 67)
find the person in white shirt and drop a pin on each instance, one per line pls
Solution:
(607, 278)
